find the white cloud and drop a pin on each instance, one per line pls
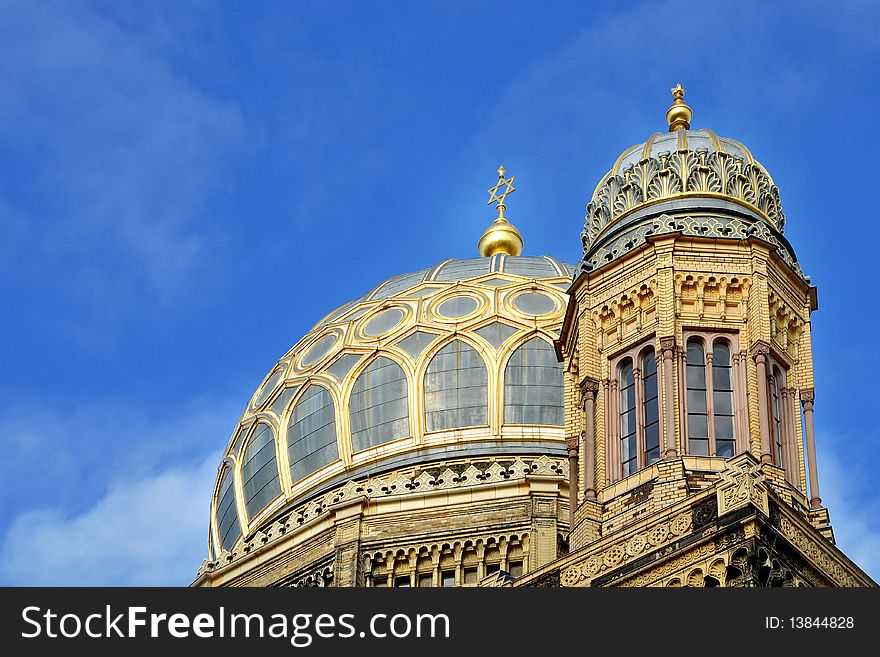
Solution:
(847, 485)
(145, 532)
(129, 149)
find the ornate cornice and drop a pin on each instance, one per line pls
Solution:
(421, 478)
(712, 225)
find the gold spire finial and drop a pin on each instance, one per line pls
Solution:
(679, 115)
(501, 236)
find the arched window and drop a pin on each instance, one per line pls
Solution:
(259, 474)
(311, 433)
(227, 514)
(774, 382)
(697, 408)
(650, 407)
(533, 385)
(456, 388)
(710, 398)
(629, 452)
(379, 406)
(638, 411)
(722, 399)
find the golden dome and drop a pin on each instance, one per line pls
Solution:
(365, 392)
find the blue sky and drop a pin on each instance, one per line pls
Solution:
(187, 187)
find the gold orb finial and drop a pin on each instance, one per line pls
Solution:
(679, 115)
(501, 236)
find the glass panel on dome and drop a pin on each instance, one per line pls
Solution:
(458, 270)
(227, 513)
(423, 292)
(415, 344)
(533, 385)
(529, 266)
(268, 388)
(280, 404)
(399, 284)
(456, 388)
(496, 333)
(311, 433)
(533, 303)
(318, 350)
(383, 322)
(342, 365)
(496, 282)
(379, 408)
(259, 473)
(457, 307)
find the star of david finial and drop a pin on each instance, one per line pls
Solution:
(678, 91)
(499, 192)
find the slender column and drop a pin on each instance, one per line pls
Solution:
(614, 394)
(589, 388)
(807, 397)
(667, 349)
(606, 401)
(760, 351)
(572, 443)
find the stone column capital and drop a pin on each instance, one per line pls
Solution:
(589, 387)
(667, 344)
(572, 443)
(760, 350)
(808, 395)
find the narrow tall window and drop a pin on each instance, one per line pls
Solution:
(311, 433)
(776, 409)
(722, 391)
(533, 385)
(456, 388)
(629, 454)
(638, 415)
(259, 474)
(697, 409)
(227, 515)
(709, 402)
(650, 407)
(379, 407)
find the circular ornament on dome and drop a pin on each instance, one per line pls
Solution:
(383, 322)
(534, 303)
(268, 387)
(457, 307)
(319, 349)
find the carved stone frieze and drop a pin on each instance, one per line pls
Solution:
(742, 483)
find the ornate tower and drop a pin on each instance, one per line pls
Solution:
(689, 380)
